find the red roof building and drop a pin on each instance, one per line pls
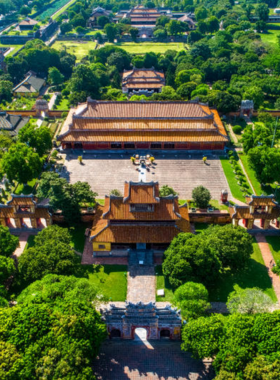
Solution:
(141, 216)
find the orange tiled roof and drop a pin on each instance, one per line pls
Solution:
(243, 212)
(22, 200)
(139, 192)
(168, 219)
(262, 200)
(40, 212)
(126, 121)
(85, 136)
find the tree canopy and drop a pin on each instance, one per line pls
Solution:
(8, 242)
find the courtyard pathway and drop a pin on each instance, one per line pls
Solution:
(141, 284)
(159, 360)
(269, 261)
(23, 237)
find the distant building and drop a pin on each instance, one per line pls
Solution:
(186, 19)
(142, 80)
(12, 123)
(96, 13)
(139, 219)
(27, 24)
(31, 85)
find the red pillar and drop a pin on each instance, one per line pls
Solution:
(277, 223)
(262, 223)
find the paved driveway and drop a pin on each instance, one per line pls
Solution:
(155, 360)
(110, 172)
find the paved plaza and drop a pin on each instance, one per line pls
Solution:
(105, 172)
(153, 360)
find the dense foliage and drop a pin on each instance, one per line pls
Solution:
(201, 196)
(51, 253)
(64, 196)
(242, 346)
(51, 333)
(201, 257)
(8, 242)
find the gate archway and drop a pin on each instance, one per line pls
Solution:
(140, 333)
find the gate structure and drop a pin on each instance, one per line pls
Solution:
(159, 322)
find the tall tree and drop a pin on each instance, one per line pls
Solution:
(38, 138)
(21, 163)
(8, 242)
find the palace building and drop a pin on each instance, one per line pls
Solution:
(143, 125)
(142, 81)
(140, 219)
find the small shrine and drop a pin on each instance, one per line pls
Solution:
(159, 322)
(247, 108)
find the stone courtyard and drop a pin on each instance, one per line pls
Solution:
(155, 360)
(105, 172)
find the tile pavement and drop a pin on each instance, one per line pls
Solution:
(141, 284)
(183, 174)
(158, 360)
(269, 261)
(23, 237)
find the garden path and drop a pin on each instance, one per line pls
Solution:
(23, 237)
(269, 261)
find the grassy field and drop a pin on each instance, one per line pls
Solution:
(150, 47)
(259, 190)
(15, 48)
(110, 279)
(255, 275)
(25, 189)
(163, 283)
(271, 36)
(232, 181)
(79, 49)
(216, 205)
(63, 9)
(274, 245)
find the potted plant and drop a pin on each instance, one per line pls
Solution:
(132, 159)
(204, 159)
(80, 159)
(152, 159)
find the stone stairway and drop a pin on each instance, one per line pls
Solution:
(146, 256)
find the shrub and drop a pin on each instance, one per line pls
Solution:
(64, 114)
(201, 196)
(237, 129)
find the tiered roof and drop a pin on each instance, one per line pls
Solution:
(107, 121)
(159, 225)
(244, 212)
(8, 211)
(143, 79)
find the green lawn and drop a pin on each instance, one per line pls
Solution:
(259, 190)
(255, 275)
(271, 36)
(214, 203)
(274, 245)
(22, 103)
(111, 280)
(200, 227)
(232, 181)
(63, 105)
(79, 49)
(15, 48)
(78, 236)
(26, 189)
(163, 283)
(63, 9)
(148, 47)
(30, 242)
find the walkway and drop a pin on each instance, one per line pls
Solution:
(23, 237)
(141, 284)
(159, 360)
(268, 261)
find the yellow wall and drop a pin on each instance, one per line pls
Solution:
(96, 246)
